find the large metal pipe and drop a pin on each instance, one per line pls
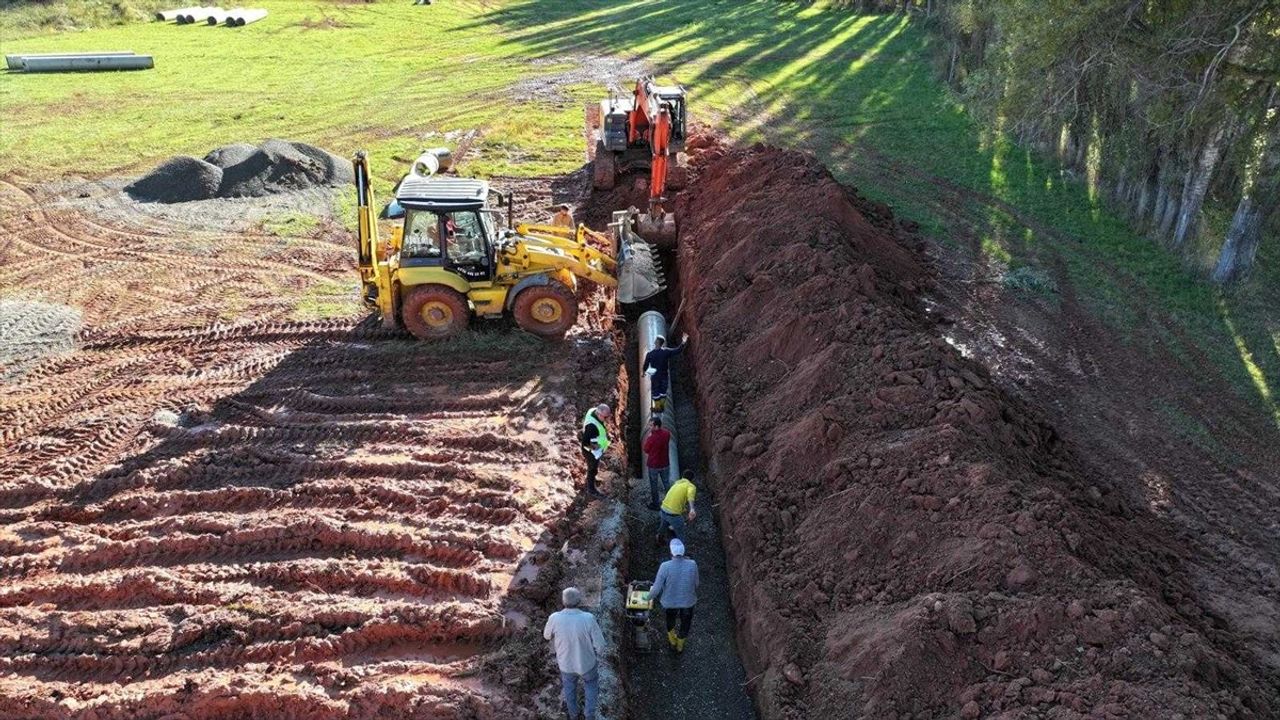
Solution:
(88, 62)
(649, 327)
(14, 62)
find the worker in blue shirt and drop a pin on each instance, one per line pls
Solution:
(656, 363)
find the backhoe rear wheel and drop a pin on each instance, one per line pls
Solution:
(546, 310)
(434, 312)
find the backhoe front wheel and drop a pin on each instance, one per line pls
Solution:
(434, 312)
(546, 310)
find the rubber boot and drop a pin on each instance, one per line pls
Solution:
(672, 639)
(679, 644)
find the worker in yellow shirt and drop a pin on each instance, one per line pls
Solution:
(677, 508)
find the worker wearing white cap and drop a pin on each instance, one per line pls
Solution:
(676, 587)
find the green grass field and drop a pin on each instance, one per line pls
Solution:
(393, 77)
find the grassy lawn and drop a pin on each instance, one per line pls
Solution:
(861, 91)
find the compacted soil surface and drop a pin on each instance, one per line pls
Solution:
(906, 539)
(210, 508)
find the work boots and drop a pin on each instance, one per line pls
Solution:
(671, 638)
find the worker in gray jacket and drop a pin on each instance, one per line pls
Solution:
(676, 587)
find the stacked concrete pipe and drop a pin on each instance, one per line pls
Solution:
(649, 327)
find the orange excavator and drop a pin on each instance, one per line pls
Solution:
(644, 132)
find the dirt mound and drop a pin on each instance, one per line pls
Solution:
(906, 540)
(228, 155)
(242, 170)
(179, 179)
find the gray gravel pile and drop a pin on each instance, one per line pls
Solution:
(242, 170)
(178, 179)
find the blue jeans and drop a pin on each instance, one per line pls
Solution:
(658, 477)
(590, 688)
(675, 522)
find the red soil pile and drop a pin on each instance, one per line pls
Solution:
(906, 540)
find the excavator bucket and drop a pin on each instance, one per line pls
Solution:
(639, 269)
(658, 227)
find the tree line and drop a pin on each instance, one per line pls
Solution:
(1169, 107)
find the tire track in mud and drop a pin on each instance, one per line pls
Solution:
(207, 496)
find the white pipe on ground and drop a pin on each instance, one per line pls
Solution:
(14, 62)
(250, 16)
(218, 17)
(649, 327)
(167, 15)
(88, 62)
(198, 15)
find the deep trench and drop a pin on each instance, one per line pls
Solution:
(707, 680)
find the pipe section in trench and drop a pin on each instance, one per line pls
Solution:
(650, 326)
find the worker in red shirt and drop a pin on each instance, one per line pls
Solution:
(657, 465)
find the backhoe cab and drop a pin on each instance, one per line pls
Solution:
(452, 256)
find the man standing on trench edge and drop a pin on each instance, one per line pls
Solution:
(594, 440)
(677, 507)
(657, 462)
(656, 366)
(578, 642)
(676, 587)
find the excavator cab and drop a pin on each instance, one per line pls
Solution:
(645, 131)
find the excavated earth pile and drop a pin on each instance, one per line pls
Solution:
(211, 510)
(906, 540)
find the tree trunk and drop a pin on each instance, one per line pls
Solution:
(1168, 212)
(1241, 246)
(1199, 175)
(1257, 204)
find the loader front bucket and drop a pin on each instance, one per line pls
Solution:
(639, 270)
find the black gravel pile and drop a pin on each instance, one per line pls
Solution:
(242, 170)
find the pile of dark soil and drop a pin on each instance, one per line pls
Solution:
(242, 170)
(905, 539)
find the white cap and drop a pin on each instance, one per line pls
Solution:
(677, 547)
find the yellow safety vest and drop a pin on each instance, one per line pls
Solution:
(602, 435)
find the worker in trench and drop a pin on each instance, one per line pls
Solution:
(594, 440)
(677, 509)
(657, 460)
(676, 587)
(578, 642)
(657, 366)
(563, 217)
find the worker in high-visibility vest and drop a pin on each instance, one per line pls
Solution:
(594, 440)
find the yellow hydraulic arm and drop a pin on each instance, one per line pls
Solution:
(551, 246)
(374, 273)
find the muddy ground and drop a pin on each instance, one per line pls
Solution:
(212, 508)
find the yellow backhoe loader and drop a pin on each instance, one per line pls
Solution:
(452, 256)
